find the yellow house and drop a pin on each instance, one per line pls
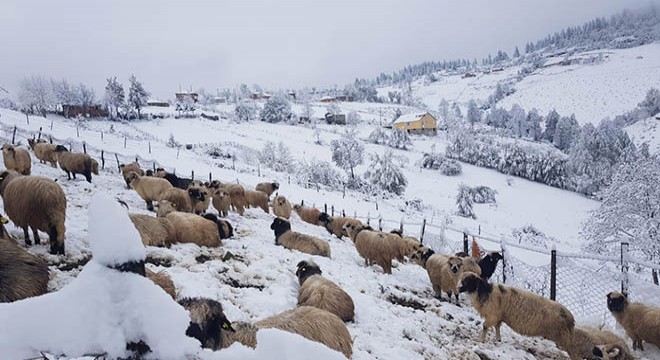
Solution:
(417, 123)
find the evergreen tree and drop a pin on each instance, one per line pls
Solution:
(473, 113)
(114, 96)
(567, 131)
(464, 202)
(385, 174)
(551, 125)
(137, 95)
(516, 53)
(533, 126)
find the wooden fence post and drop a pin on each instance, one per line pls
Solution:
(84, 147)
(655, 276)
(117, 158)
(13, 137)
(368, 219)
(343, 213)
(51, 126)
(401, 226)
(503, 248)
(624, 268)
(102, 161)
(101, 135)
(380, 223)
(149, 147)
(325, 208)
(39, 137)
(553, 274)
(124, 142)
(192, 174)
(332, 208)
(421, 235)
(465, 243)
(210, 176)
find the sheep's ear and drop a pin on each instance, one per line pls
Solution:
(614, 352)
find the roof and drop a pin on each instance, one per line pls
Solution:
(409, 117)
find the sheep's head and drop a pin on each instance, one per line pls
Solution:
(397, 232)
(31, 143)
(616, 301)
(350, 229)
(421, 255)
(5, 177)
(324, 218)
(215, 184)
(608, 351)
(455, 264)
(8, 149)
(493, 258)
(297, 207)
(164, 207)
(195, 183)
(207, 321)
(198, 193)
(132, 176)
(307, 268)
(149, 172)
(280, 200)
(275, 186)
(469, 282)
(61, 148)
(280, 226)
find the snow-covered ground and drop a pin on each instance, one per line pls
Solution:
(396, 315)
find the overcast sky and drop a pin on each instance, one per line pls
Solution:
(277, 44)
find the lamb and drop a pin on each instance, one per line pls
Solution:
(267, 188)
(296, 241)
(126, 170)
(444, 271)
(74, 163)
(148, 188)
(43, 151)
(335, 225)
(641, 322)
(180, 198)
(163, 280)
(257, 199)
(322, 293)
(17, 159)
(584, 340)
(612, 352)
(309, 215)
(236, 194)
(199, 197)
(488, 264)
(372, 246)
(526, 313)
(154, 231)
(36, 202)
(221, 202)
(23, 275)
(281, 207)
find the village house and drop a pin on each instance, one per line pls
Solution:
(417, 123)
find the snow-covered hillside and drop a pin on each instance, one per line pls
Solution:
(396, 315)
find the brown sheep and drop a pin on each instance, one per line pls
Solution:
(22, 275)
(199, 197)
(257, 199)
(36, 202)
(236, 194)
(154, 231)
(207, 322)
(148, 188)
(612, 352)
(179, 197)
(43, 151)
(641, 322)
(444, 271)
(526, 313)
(95, 167)
(317, 291)
(309, 215)
(335, 225)
(163, 280)
(470, 264)
(74, 163)
(221, 202)
(17, 159)
(267, 188)
(281, 207)
(372, 246)
(192, 228)
(296, 241)
(127, 168)
(406, 245)
(224, 227)
(584, 340)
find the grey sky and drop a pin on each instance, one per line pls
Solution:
(277, 44)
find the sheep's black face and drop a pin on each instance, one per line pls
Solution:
(597, 352)
(324, 218)
(307, 269)
(396, 232)
(609, 351)
(469, 284)
(3, 176)
(280, 225)
(275, 186)
(615, 301)
(60, 148)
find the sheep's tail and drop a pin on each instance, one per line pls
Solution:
(88, 169)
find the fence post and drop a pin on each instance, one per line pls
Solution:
(355, 215)
(192, 174)
(233, 163)
(343, 213)
(401, 226)
(13, 137)
(101, 135)
(421, 235)
(27, 118)
(325, 208)
(149, 147)
(102, 161)
(343, 196)
(289, 179)
(655, 276)
(503, 248)
(302, 202)
(210, 176)
(465, 243)
(39, 137)
(117, 158)
(124, 142)
(553, 273)
(376, 205)
(317, 187)
(332, 208)
(84, 147)
(77, 130)
(177, 152)
(258, 170)
(51, 126)
(380, 222)
(624, 268)
(368, 219)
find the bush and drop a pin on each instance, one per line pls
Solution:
(383, 173)
(277, 158)
(483, 195)
(321, 173)
(451, 167)
(437, 161)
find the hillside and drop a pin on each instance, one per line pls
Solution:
(396, 316)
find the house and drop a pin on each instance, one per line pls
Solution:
(158, 103)
(338, 119)
(417, 123)
(86, 111)
(181, 96)
(328, 99)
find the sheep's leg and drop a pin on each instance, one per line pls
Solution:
(37, 240)
(68, 175)
(498, 337)
(484, 332)
(55, 246)
(27, 236)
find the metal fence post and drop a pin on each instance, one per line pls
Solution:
(624, 268)
(380, 223)
(332, 210)
(421, 235)
(553, 273)
(465, 243)
(368, 219)
(503, 248)
(401, 225)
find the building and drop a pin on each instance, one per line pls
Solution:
(337, 119)
(181, 96)
(417, 123)
(86, 111)
(158, 103)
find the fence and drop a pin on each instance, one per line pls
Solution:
(577, 280)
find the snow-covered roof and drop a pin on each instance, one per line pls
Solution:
(409, 117)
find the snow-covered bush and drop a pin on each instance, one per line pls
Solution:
(464, 202)
(276, 109)
(319, 172)
(347, 152)
(246, 111)
(171, 142)
(385, 174)
(415, 204)
(353, 118)
(435, 161)
(378, 136)
(276, 157)
(529, 235)
(399, 139)
(483, 195)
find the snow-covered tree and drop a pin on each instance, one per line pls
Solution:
(551, 125)
(399, 139)
(353, 118)
(277, 157)
(516, 53)
(517, 120)
(246, 110)
(86, 96)
(347, 152)
(464, 202)
(473, 113)
(35, 95)
(651, 102)
(321, 173)
(64, 93)
(566, 132)
(533, 125)
(114, 95)
(276, 109)
(137, 95)
(332, 109)
(456, 111)
(385, 174)
(443, 109)
(629, 212)
(378, 136)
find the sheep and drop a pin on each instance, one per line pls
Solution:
(221, 201)
(43, 151)
(224, 227)
(74, 163)
(207, 321)
(163, 280)
(641, 322)
(488, 264)
(267, 188)
(322, 293)
(296, 241)
(257, 199)
(469, 263)
(148, 188)
(3, 232)
(281, 207)
(36, 202)
(584, 340)
(526, 313)
(191, 228)
(335, 225)
(95, 167)
(612, 352)
(178, 182)
(22, 274)
(444, 271)
(309, 215)
(127, 168)
(199, 197)
(17, 159)
(180, 198)
(236, 194)
(154, 231)
(372, 246)
(406, 246)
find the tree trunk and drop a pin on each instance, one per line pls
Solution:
(352, 175)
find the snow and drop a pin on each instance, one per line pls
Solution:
(277, 344)
(408, 118)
